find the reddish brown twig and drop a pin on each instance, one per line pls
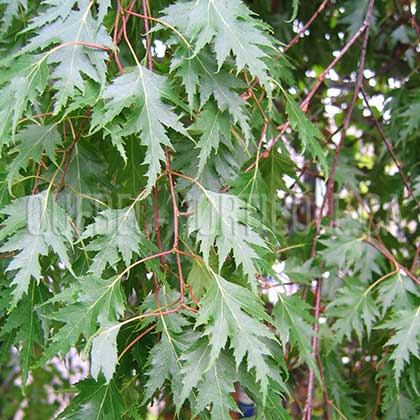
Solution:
(68, 155)
(306, 26)
(187, 254)
(153, 256)
(36, 182)
(246, 95)
(391, 259)
(378, 399)
(148, 44)
(176, 224)
(115, 38)
(347, 118)
(155, 190)
(125, 18)
(416, 256)
(175, 209)
(8, 255)
(307, 412)
(83, 44)
(138, 338)
(305, 103)
(391, 152)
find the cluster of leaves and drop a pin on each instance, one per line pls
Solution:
(145, 210)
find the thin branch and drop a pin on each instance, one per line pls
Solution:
(129, 9)
(37, 178)
(305, 103)
(168, 168)
(391, 258)
(176, 224)
(306, 26)
(246, 95)
(391, 152)
(148, 44)
(138, 338)
(69, 155)
(416, 256)
(307, 412)
(378, 399)
(347, 118)
(115, 38)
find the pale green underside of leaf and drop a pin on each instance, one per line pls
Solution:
(33, 140)
(149, 116)
(34, 225)
(354, 310)
(98, 302)
(232, 312)
(214, 382)
(406, 324)
(26, 78)
(95, 401)
(220, 219)
(293, 321)
(10, 12)
(116, 236)
(228, 26)
(71, 60)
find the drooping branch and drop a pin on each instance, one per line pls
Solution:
(320, 79)
(307, 413)
(391, 152)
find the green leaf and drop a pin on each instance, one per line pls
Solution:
(308, 133)
(196, 361)
(55, 9)
(228, 26)
(212, 124)
(117, 236)
(164, 362)
(354, 16)
(223, 220)
(33, 139)
(397, 292)
(293, 321)
(295, 8)
(354, 309)
(340, 389)
(96, 400)
(406, 324)
(84, 178)
(214, 386)
(73, 59)
(11, 11)
(90, 302)
(199, 278)
(163, 365)
(142, 91)
(231, 311)
(25, 326)
(342, 250)
(215, 389)
(104, 351)
(34, 225)
(200, 73)
(347, 251)
(23, 80)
